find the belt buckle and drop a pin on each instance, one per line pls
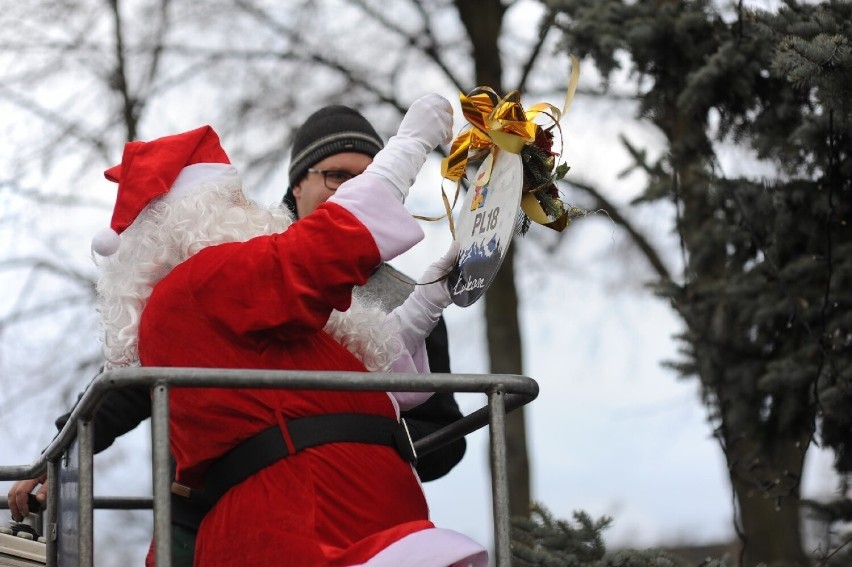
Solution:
(404, 442)
(181, 490)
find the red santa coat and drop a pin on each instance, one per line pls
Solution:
(263, 304)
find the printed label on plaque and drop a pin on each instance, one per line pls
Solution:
(486, 225)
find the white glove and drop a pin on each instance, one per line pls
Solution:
(428, 122)
(420, 312)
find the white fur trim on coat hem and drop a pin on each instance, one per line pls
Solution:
(433, 547)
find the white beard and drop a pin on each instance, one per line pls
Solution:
(367, 332)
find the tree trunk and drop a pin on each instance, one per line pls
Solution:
(504, 349)
(483, 21)
(770, 523)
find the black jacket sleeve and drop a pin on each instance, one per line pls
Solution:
(120, 411)
(436, 412)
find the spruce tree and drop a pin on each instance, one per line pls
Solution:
(767, 287)
(544, 541)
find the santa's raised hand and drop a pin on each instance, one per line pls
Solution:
(428, 122)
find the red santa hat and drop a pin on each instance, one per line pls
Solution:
(167, 168)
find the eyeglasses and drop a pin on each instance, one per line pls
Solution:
(333, 178)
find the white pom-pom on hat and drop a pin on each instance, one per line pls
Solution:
(105, 242)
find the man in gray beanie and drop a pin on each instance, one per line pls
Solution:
(333, 145)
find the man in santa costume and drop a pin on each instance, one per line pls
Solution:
(202, 277)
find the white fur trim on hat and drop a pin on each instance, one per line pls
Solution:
(193, 178)
(190, 180)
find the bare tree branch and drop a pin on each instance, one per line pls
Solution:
(43, 265)
(68, 127)
(424, 42)
(119, 84)
(637, 237)
(544, 27)
(159, 48)
(346, 71)
(44, 309)
(44, 198)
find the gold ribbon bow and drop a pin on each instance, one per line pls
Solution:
(494, 121)
(503, 123)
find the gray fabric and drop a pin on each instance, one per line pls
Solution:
(387, 286)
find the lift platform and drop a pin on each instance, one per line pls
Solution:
(64, 532)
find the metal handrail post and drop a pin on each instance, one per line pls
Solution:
(162, 475)
(499, 477)
(51, 512)
(85, 493)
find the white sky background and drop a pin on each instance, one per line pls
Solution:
(612, 432)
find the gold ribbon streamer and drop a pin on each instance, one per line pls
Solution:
(503, 123)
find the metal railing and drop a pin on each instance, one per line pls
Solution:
(505, 393)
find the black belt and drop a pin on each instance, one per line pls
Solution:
(269, 446)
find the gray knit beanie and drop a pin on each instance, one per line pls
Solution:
(330, 130)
